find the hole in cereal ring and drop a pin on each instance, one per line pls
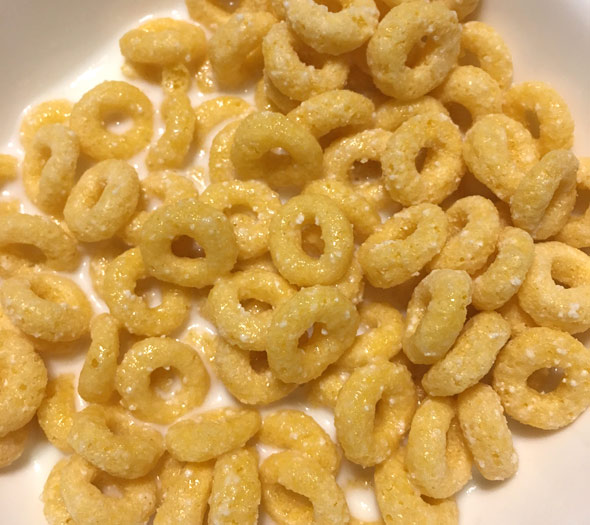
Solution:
(106, 486)
(421, 159)
(419, 54)
(26, 251)
(254, 306)
(460, 115)
(240, 209)
(117, 122)
(532, 123)
(311, 240)
(259, 361)
(333, 5)
(185, 246)
(312, 334)
(545, 380)
(149, 290)
(229, 6)
(469, 59)
(165, 381)
(363, 171)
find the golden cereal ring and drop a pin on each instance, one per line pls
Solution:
(214, 111)
(544, 199)
(49, 167)
(285, 241)
(321, 500)
(8, 168)
(471, 357)
(135, 384)
(99, 261)
(474, 227)
(536, 349)
(437, 456)
(488, 47)
(207, 226)
(399, 31)
(293, 77)
(518, 319)
(373, 411)
(112, 441)
(48, 112)
(268, 98)
(102, 201)
(87, 505)
(293, 429)
(352, 284)
(54, 508)
(443, 166)
(251, 232)
(435, 315)
(12, 446)
(393, 113)
(501, 280)
(404, 245)
(319, 305)
(212, 433)
(576, 232)
(112, 97)
(259, 134)
(133, 311)
(481, 416)
(221, 167)
(212, 14)
(400, 500)
(24, 378)
(235, 493)
(462, 7)
(46, 306)
(56, 411)
(549, 303)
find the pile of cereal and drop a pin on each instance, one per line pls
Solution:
(388, 166)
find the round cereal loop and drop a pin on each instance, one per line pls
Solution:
(373, 411)
(112, 97)
(399, 41)
(202, 223)
(443, 165)
(474, 227)
(499, 152)
(55, 413)
(256, 139)
(111, 440)
(537, 349)
(212, 15)
(49, 167)
(133, 311)
(334, 320)
(99, 260)
(221, 167)
(546, 300)
(214, 111)
(259, 200)
(268, 98)
(290, 74)
(483, 42)
(320, 499)
(87, 505)
(576, 232)
(400, 501)
(24, 379)
(501, 280)
(545, 198)
(481, 416)
(164, 42)
(212, 433)
(435, 315)
(48, 112)
(471, 357)
(393, 113)
(285, 241)
(139, 391)
(102, 201)
(404, 245)
(518, 319)
(46, 306)
(54, 508)
(12, 446)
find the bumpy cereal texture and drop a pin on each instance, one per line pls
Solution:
(55, 414)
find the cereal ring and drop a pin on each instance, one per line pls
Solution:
(291, 472)
(549, 303)
(373, 411)
(501, 280)
(56, 411)
(543, 111)
(202, 223)
(99, 261)
(136, 384)
(462, 7)
(435, 315)
(544, 199)
(8, 168)
(133, 311)
(293, 429)
(212, 14)
(102, 201)
(335, 321)
(221, 167)
(108, 98)
(48, 112)
(352, 284)
(486, 431)
(212, 433)
(471, 357)
(269, 98)
(404, 245)
(474, 227)
(576, 232)
(537, 349)
(214, 111)
(437, 456)
(518, 319)
(443, 165)
(114, 442)
(54, 508)
(393, 113)
(397, 42)
(12, 446)
(46, 306)
(258, 199)
(290, 74)
(285, 241)
(49, 167)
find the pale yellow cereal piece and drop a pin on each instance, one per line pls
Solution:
(55, 413)
(49, 112)
(12, 446)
